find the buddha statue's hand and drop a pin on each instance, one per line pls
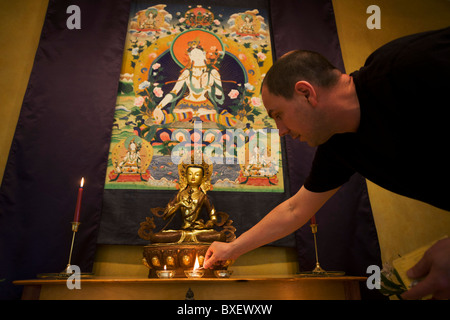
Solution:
(185, 203)
(209, 224)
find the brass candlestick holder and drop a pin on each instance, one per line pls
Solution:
(67, 272)
(318, 271)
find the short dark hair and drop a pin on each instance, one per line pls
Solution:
(296, 66)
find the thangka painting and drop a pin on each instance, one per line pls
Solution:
(191, 82)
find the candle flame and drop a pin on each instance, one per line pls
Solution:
(165, 267)
(82, 183)
(196, 264)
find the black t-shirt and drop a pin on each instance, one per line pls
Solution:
(402, 143)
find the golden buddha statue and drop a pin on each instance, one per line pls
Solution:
(191, 199)
(177, 249)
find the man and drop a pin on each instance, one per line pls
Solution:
(386, 121)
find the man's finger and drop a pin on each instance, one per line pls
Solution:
(420, 290)
(209, 260)
(420, 269)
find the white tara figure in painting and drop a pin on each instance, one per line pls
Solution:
(197, 93)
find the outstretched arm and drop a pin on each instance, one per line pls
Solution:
(278, 223)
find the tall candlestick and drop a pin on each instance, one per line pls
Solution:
(318, 271)
(67, 271)
(76, 217)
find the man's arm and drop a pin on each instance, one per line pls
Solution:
(278, 223)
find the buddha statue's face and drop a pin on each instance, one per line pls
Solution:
(194, 176)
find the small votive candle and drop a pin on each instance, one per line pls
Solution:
(165, 274)
(223, 273)
(194, 273)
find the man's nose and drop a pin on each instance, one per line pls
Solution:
(282, 129)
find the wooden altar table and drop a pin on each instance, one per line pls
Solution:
(234, 288)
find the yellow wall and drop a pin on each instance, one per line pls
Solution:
(403, 224)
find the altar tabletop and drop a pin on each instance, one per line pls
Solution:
(233, 288)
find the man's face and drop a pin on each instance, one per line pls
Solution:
(295, 117)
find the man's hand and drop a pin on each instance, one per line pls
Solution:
(434, 268)
(217, 252)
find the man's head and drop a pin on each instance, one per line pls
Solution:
(300, 65)
(292, 91)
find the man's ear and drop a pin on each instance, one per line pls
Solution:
(304, 88)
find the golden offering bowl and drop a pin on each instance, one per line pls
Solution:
(179, 258)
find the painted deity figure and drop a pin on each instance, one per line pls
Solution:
(131, 161)
(150, 22)
(196, 94)
(247, 27)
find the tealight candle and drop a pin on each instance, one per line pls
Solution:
(165, 274)
(196, 272)
(223, 273)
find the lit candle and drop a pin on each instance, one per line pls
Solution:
(196, 272)
(165, 274)
(196, 264)
(313, 219)
(76, 217)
